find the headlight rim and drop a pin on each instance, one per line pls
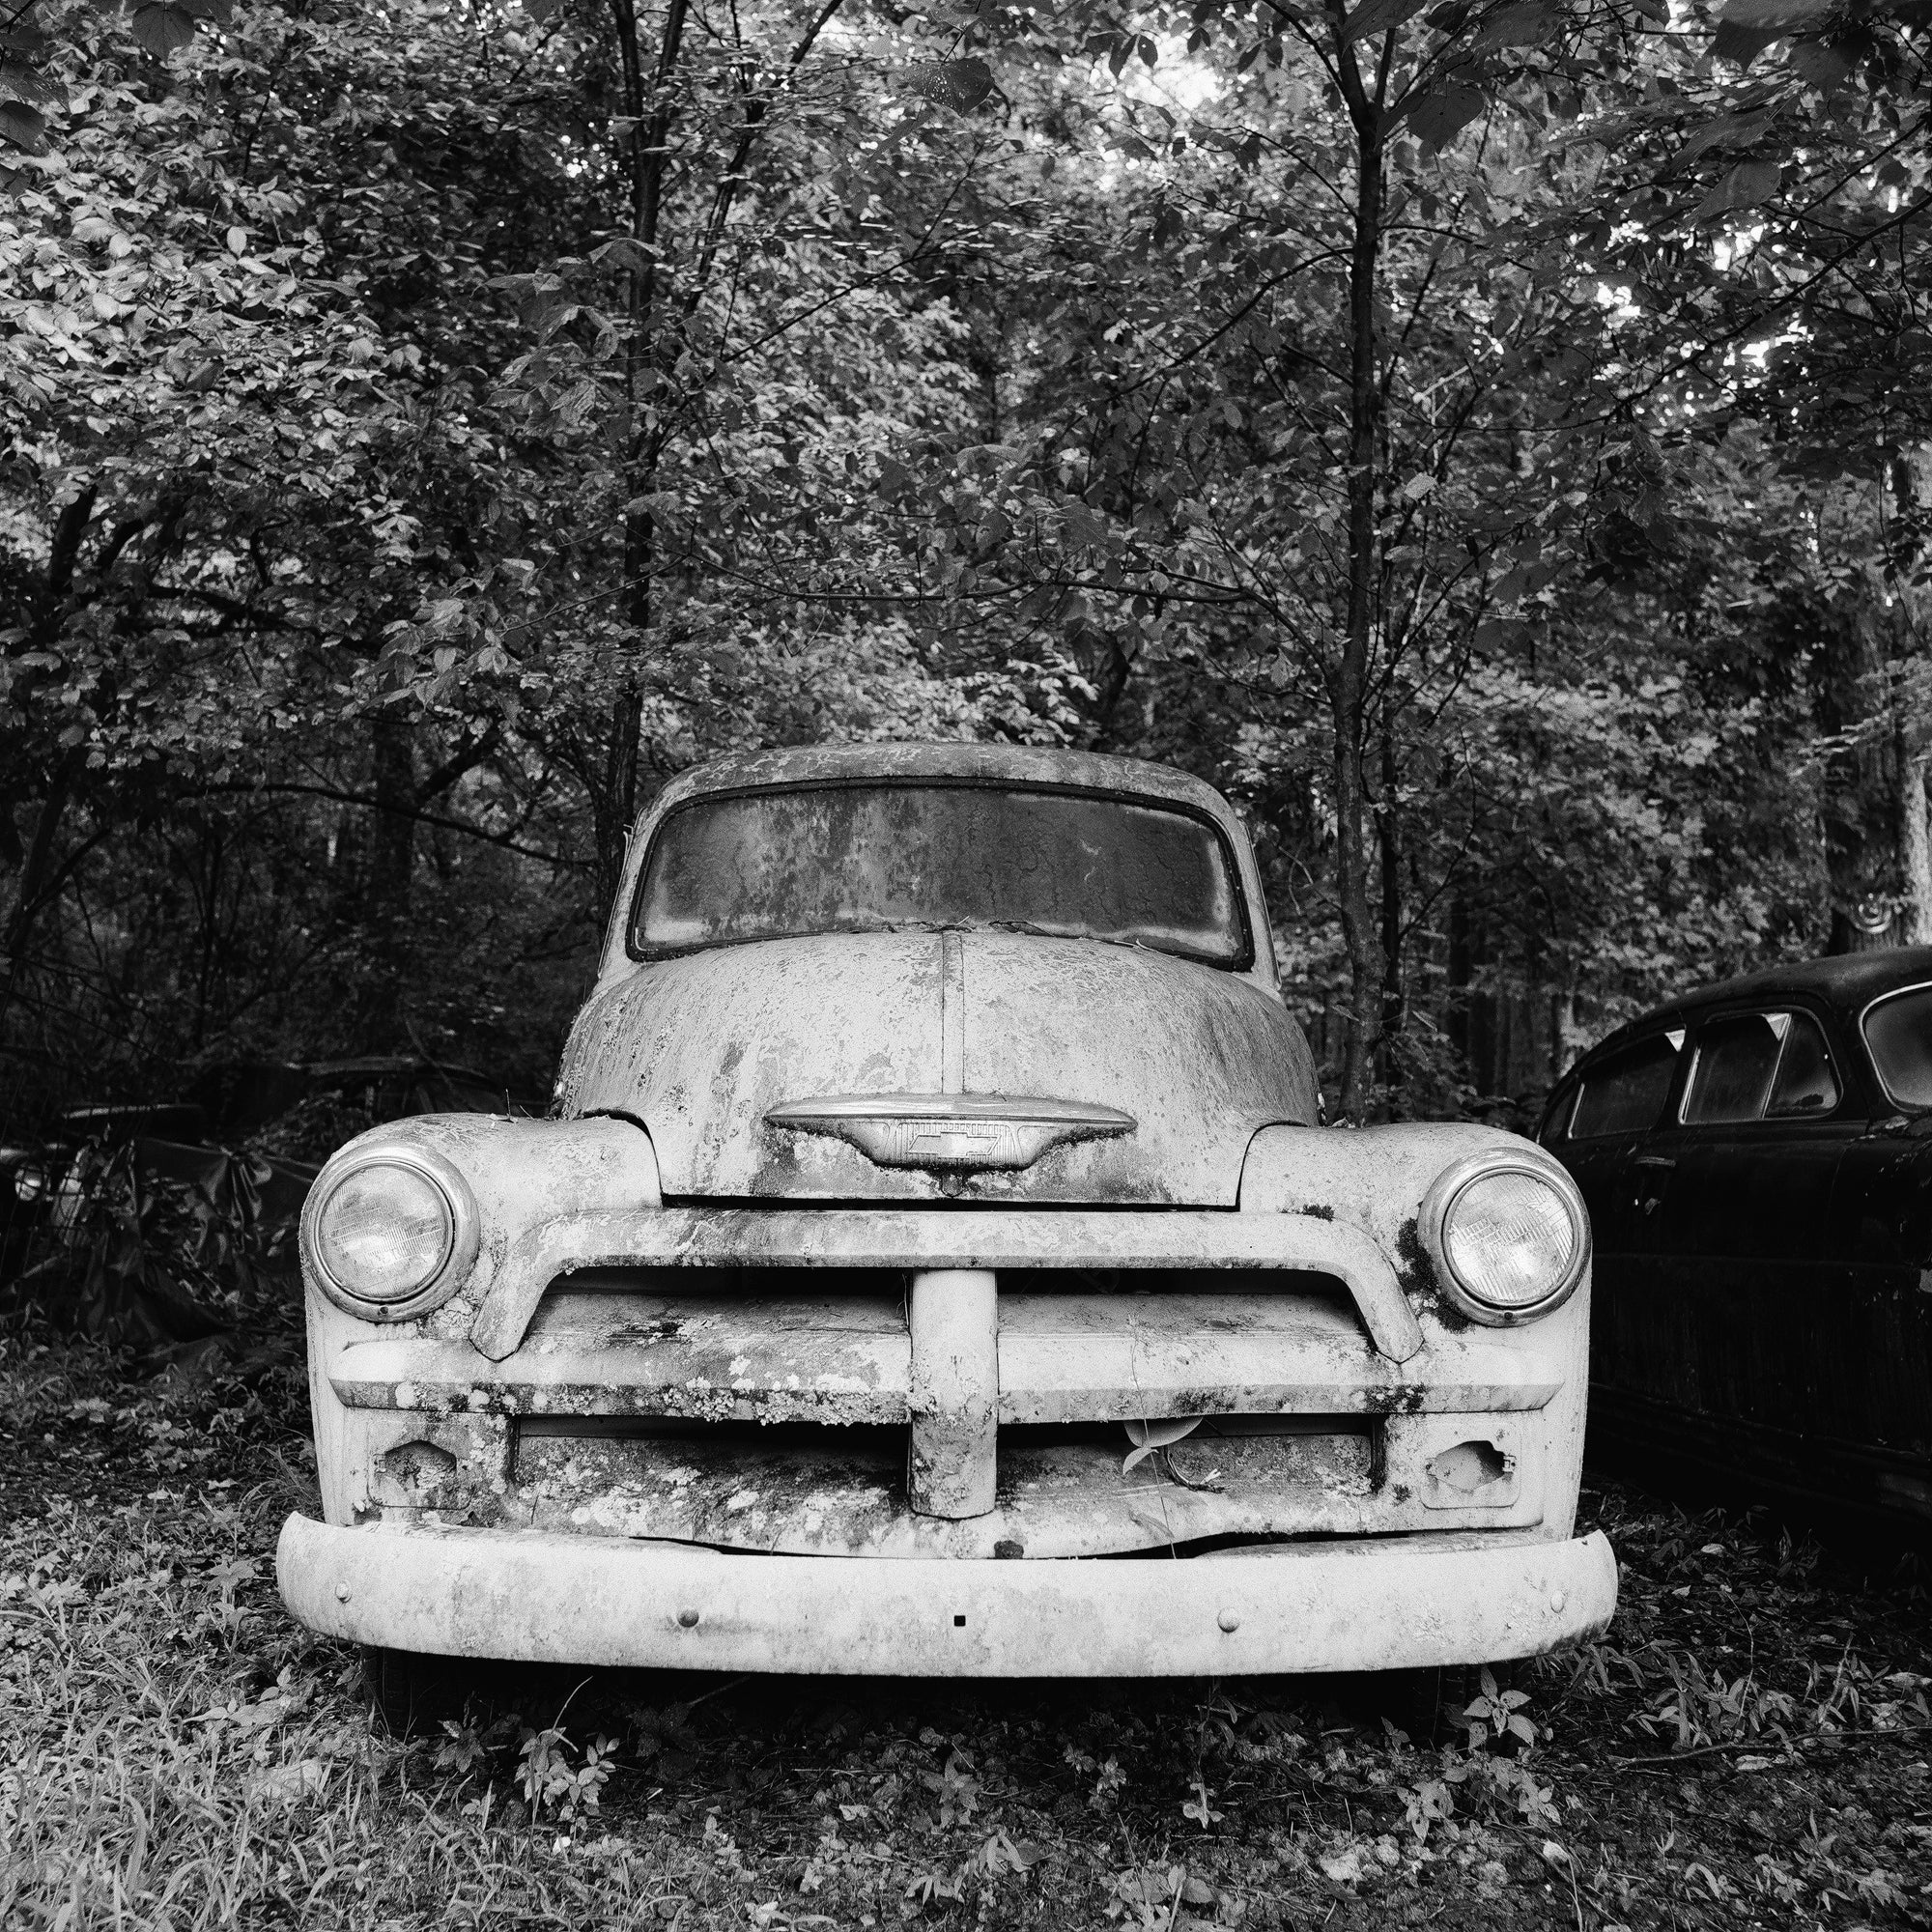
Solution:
(465, 1225)
(1444, 1191)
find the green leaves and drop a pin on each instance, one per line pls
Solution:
(163, 27)
(25, 90)
(1747, 27)
(1523, 25)
(23, 127)
(958, 84)
(1378, 16)
(163, 30)
(1779, 17)
(1748, 184)
(1438, 115)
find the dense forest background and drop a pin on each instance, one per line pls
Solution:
(1488, 438)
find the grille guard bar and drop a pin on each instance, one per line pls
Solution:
(1013, 1239)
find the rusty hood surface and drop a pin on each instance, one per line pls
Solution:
(700, 1049)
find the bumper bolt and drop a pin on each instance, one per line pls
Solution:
(1230, 1621)
(342, 1593)
(688, 1618)
(1556, 1600)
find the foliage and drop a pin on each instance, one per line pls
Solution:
(1490, 439)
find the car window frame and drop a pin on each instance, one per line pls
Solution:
(1581, 1072)
(1865, 1012)
(1243, 961)
(1818, 1015)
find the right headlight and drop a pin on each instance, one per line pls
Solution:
(1509, 1235)
(390, 1232)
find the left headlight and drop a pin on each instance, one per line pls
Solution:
(391, 1233)
(1509, 1235)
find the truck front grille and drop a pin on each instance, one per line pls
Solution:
(791, 1410)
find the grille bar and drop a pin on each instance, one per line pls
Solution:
(848, 1359)
(1005, 1240)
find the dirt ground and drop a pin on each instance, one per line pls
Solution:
(1748, 1746)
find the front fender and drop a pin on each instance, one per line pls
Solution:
(519, 1172)
(1375, 1179)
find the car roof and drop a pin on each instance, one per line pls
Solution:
(1024, 765)
(1845, 985)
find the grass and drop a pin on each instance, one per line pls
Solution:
(1748, 1746)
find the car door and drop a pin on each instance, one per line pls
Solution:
(1597, 1126)
(1872, 1394)
(1739, 1297)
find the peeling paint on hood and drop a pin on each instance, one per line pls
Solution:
(700, 1048)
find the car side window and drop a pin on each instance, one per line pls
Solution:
(1898, 1030)
(1626, 1094)
(1806, 1084)
(1756, 1067)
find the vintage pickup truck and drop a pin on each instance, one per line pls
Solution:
(933, 1239)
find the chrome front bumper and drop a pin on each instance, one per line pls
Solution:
(1369, 1604)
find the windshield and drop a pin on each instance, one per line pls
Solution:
(1898, 1030)
(889, 858)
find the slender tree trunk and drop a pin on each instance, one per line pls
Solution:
(1912, 752)
(1914, 851)
(1388, 828)
(211, 860)
(1457, 986)
(1348, 683)
(386, 894)
(1862, 782)
(613, 806)
(650, 107)
(1564, 1043)
(38, 866)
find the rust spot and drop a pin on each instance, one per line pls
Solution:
(1420, 1282)
(642, 1334)
(1319, 1214)
(1401, 1399)
(416, 1473)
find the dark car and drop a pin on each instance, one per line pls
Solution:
(1757, 1162)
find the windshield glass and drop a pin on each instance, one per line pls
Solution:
(1899, 1033)
(888, 858)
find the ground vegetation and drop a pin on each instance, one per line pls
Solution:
(1747, 1747)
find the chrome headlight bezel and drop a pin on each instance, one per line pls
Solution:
(464, 1239)
(1439, 1203)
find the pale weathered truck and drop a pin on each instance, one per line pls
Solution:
(933, 1241)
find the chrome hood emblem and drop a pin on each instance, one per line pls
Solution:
(951, 1133)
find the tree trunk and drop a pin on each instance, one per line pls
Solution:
(382, 1020)
(1456, 985)
(39, 881)
(1348, 683)
(1915, 852)
(613, 805)
(1565, 1042)
(1862, 782)
(650, 110)
(1388, 827)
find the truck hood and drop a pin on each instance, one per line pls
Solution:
(701, 1049)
